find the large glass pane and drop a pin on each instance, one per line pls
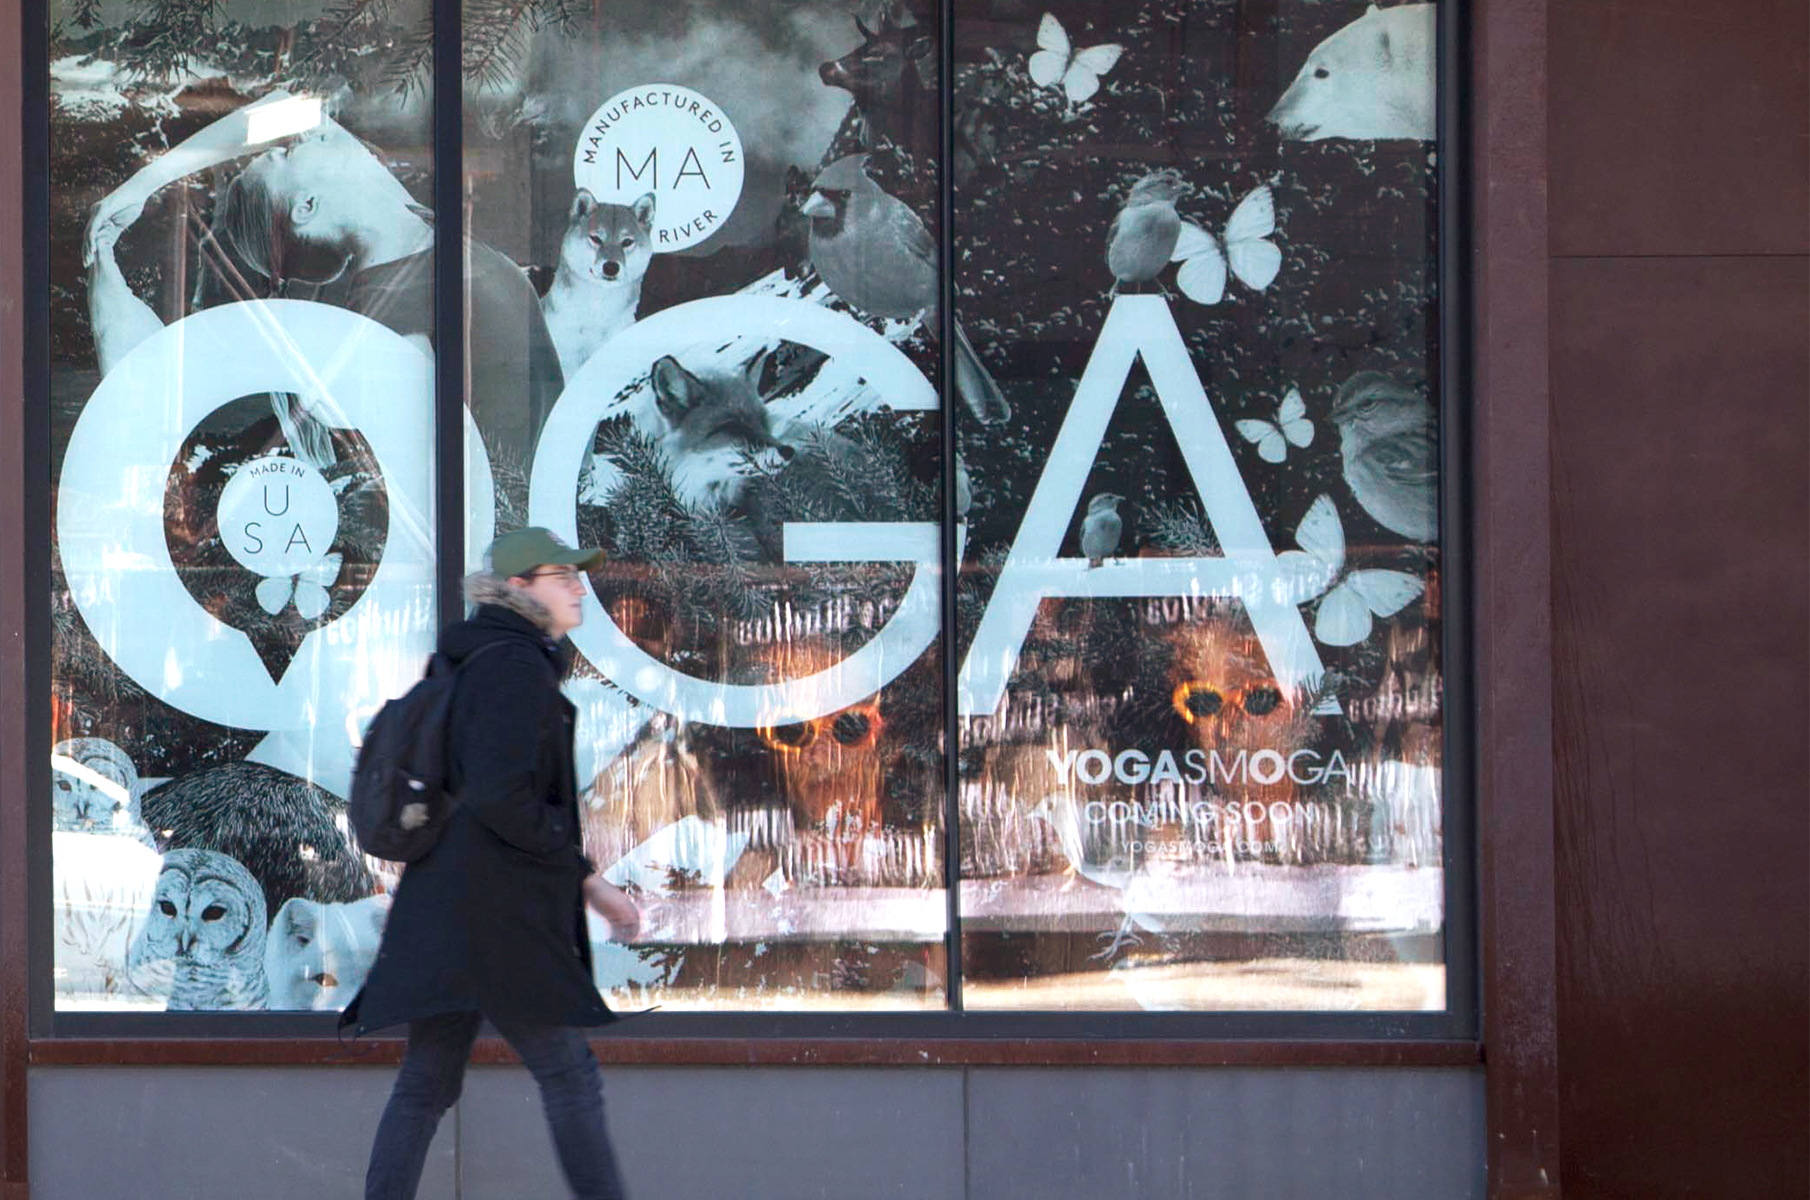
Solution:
(242, 451)
(729, 214)
(1201, 684)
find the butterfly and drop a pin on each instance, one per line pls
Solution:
(1291, 427)
(308, 589)
(1058, 62)
(1246, 248)
(1350, 601)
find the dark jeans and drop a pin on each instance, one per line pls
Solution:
(433, 1067)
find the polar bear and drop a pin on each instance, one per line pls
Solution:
(318, 955)
(1375, 78)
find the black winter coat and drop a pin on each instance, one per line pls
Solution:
(492, 918)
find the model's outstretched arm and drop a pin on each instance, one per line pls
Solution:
(265, 120)
(119, 318)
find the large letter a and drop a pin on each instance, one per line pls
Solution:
(1247, 571)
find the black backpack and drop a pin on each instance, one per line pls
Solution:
(399, 800)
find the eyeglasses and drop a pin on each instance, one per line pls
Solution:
(565, 575)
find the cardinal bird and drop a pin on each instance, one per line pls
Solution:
(1391, 456)
(1143, 235)
(874, 253)
(1101, 528)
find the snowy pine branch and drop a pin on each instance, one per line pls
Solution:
(1181, 527)
(495, 38)
(342, 29)
(163, 35)
(412, 66)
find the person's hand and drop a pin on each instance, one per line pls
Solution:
(105, 225)
(613, 905)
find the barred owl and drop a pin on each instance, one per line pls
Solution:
(204, 935)
(96, 789)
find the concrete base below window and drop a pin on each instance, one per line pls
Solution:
(783, 1133)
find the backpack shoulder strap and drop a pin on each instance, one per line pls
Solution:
(452, 707)
(551, 667)
(484, 649)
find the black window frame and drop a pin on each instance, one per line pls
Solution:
(1460, 1021)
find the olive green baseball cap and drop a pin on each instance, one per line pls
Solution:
(521, 551)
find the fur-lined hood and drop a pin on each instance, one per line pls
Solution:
(481, 587)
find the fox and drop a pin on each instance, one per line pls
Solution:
(708, 424)
(603, 258)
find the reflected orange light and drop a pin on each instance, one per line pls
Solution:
(789, 739)
(1181, 699)
(858, 726)
(854, 728)
(1198, 698)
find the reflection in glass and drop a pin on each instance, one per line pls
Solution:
(1201, 735)
(731, 225)
(1192, 367)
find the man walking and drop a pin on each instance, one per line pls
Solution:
(490, 923)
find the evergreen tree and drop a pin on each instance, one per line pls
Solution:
(163, 36)
(161, 39)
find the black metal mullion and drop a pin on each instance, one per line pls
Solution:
(449, 315)
(952, 565)
(1459, 758)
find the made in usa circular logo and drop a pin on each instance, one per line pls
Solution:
(670, 143)
(277, 516)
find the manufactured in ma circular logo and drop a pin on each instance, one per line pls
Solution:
(668, 142)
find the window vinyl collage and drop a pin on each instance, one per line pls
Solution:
(1192, 376)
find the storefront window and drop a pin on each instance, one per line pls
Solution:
(244, 535)
(1200, 699)
(747, 421)
(1150, 408)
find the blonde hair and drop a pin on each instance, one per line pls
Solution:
(255, 227)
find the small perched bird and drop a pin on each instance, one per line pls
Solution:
(1143, 235)
(1101, 528)
(874, 253)
(964, 488)
(1391, 455)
